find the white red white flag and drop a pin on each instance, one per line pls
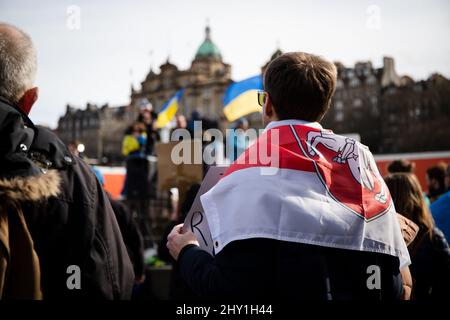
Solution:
(301, 183)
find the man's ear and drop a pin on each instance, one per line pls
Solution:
(28, 99)
(269, 111)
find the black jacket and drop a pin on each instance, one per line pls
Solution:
(16, 135)
(266, 268)
(77, 227)
(21, 181)
(430, 268)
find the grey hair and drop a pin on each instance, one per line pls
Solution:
(18, 62)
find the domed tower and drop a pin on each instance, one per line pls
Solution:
(208, 59)
(208, 49)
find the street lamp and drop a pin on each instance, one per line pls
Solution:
(81, 148)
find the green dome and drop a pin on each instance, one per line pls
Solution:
(208, 49)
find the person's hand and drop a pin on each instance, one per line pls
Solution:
(409, 229)
(178, 239)
(140, 279)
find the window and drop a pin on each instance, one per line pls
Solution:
(357, 103)
(339, 116)
(371, 80)
(392, 117)
(350, 74)
(167, 83)
(339, 105)
(357, 115)
(206, 103)
(354, 82)
(374, 100)
(375, 111)
(418, 111)
(391, 90)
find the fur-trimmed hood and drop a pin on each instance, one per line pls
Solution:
(33, 188)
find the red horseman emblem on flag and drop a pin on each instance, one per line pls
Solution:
(348, 171)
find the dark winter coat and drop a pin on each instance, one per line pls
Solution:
(430, 268)
(64, 214)
(265, 268)
(77, 228)
(20, 181)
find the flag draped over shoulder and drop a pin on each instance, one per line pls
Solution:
(241, 98)
(304, 184)
(169, 109)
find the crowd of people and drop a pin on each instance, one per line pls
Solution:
(300, 267)
(287, 235)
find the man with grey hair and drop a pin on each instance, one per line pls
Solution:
(17, 67)
(63, 238)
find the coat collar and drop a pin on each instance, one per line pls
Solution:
(16, 136)
(33, 188)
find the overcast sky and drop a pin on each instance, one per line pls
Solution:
(115, 42)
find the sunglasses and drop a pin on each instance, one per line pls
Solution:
(262, 98)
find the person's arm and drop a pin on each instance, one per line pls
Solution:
(407, 283)
(409, 229)
(239, 270)
(202, 274)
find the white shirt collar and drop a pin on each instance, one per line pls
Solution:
(288, 122)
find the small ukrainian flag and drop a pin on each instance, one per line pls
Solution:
(169, 109)
(241, 98)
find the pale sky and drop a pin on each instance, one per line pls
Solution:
(93, 63)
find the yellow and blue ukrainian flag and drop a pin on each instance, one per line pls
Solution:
(241, 98)
(169, 109)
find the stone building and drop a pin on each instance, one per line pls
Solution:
(356, 104)
(415, 116)
(389, 112)
(100, 129)
(205, 82)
